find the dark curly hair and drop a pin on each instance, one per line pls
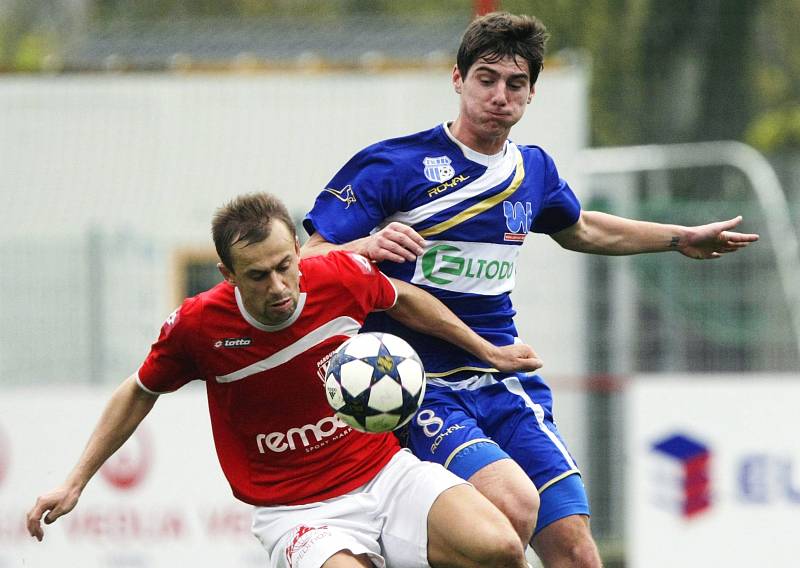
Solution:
(500, 34)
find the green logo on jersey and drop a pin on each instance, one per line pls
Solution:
(442, 264)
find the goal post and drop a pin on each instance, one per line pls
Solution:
(752, 164)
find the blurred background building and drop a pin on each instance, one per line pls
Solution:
(124, 123)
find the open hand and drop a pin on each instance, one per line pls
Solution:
(715, 239)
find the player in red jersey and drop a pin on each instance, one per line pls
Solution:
(324, 494)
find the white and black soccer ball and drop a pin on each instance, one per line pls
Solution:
(375, 382)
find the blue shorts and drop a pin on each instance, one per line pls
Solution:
(466, 425)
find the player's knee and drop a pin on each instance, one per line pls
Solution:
(523, 512)
(500, 545)
(583, 554)
(503, 550)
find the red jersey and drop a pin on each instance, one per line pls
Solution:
(277, 439)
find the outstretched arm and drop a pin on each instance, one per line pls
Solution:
(395, 242)
(124, 411)
(421, 312)
(601, 233)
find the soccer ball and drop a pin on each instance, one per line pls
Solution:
(375, 382)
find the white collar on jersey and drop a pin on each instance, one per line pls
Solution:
(301, 301)
(484, 159)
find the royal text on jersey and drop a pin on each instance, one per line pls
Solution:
(455, 182)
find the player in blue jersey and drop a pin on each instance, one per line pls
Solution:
(447, 209)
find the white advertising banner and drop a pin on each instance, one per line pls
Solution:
(713, 471)
(161, 501)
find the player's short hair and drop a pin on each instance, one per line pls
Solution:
(247, 218)
(500, 34)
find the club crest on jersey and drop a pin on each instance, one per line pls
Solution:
(438, 169)
(345, 195)
(229, 342)
(322, 366)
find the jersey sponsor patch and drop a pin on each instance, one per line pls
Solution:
(475, 268)
(309, 437)
(519, 217)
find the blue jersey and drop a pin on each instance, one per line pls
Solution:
(474, 212)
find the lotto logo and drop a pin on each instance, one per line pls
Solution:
(229, 342)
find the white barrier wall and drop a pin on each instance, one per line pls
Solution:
(146, 159)
(713, 471)
(160, 502)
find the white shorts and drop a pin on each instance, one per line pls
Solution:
(387, 519)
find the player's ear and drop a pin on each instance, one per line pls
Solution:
(458, 80)
(533, 92)
(226, 273)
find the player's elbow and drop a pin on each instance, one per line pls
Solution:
(315, 246)
(587, 237)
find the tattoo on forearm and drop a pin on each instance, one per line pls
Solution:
(673, 243)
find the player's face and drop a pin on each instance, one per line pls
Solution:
(267, 274)
(493, 99)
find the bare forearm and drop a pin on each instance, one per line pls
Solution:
(126, 408)
(600, 233)
(316, 246)
(395, 242)
(422, 312)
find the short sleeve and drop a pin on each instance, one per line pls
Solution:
(560, 206)
(169, 366)
(358, 198)
(373, 289)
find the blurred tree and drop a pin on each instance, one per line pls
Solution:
(16, 19)
(31, 52)
(661, 70)
(165, 9)
(32, 33)
(775, 126)
(696, 70)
